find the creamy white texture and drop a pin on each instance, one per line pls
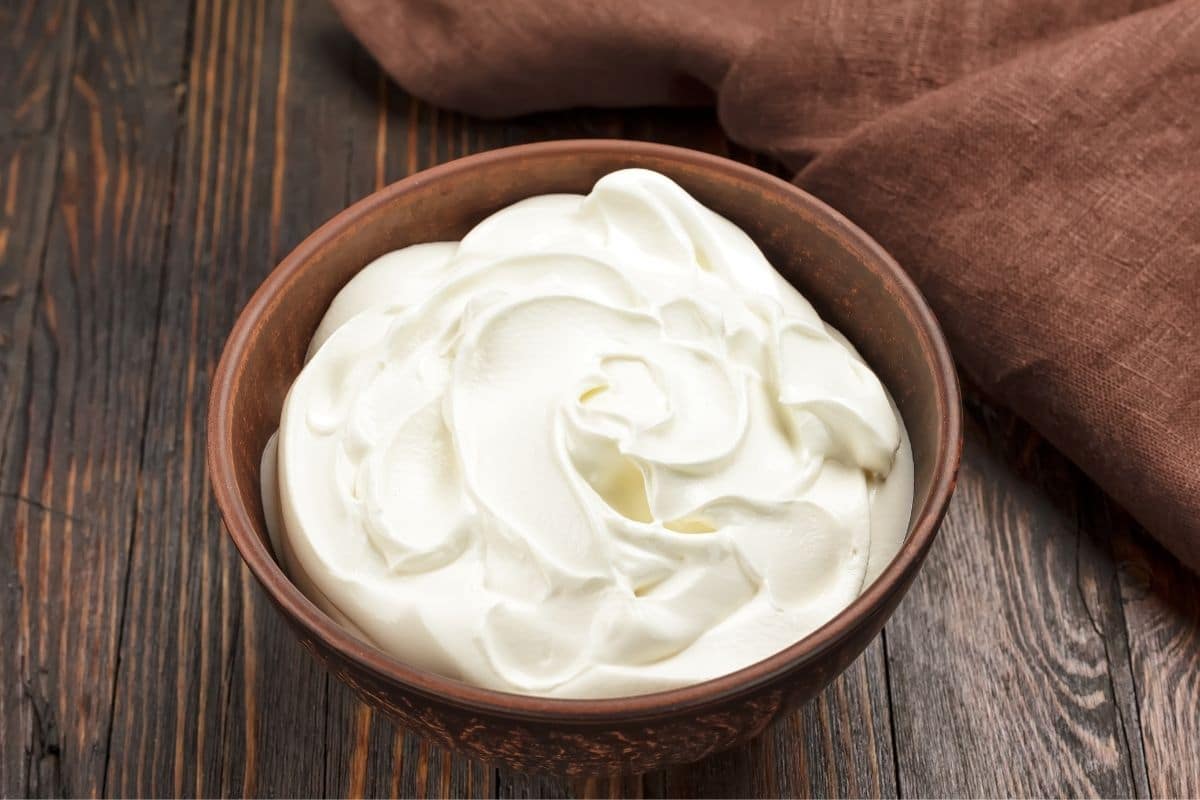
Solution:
(599, 447)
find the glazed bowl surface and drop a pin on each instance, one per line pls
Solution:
(851, 281)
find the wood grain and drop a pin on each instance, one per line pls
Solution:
(155, 161)
(72, 457)
(1162, 615)
(38, 55)
(36, 51)
(1002, 682)
(213, 697)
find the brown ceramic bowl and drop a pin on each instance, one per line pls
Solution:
(852, 282)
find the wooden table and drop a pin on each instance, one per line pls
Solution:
(155, 161)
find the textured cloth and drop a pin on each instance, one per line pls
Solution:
(1034, 164)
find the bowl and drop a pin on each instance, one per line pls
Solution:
(850, 280)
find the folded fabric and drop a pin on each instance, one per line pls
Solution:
(1034, 164)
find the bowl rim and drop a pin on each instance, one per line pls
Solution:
(317, 624)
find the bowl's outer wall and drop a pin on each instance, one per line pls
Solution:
(838, 273)
(583, 748)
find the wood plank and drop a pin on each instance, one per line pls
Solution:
(38, 57)
(1005, 658)
(36, 51)
(213, 696)
(79, 377)
(275, 140)
(1162, 611)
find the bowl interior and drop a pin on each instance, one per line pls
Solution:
(849, 280)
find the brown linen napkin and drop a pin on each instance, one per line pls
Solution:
(1034, 164)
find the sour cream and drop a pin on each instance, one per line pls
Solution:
(599, 447)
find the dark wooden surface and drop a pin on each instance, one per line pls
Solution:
(156, 159)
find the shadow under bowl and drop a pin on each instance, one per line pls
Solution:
(850, 280)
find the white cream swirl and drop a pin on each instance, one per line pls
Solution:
(599, 447)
